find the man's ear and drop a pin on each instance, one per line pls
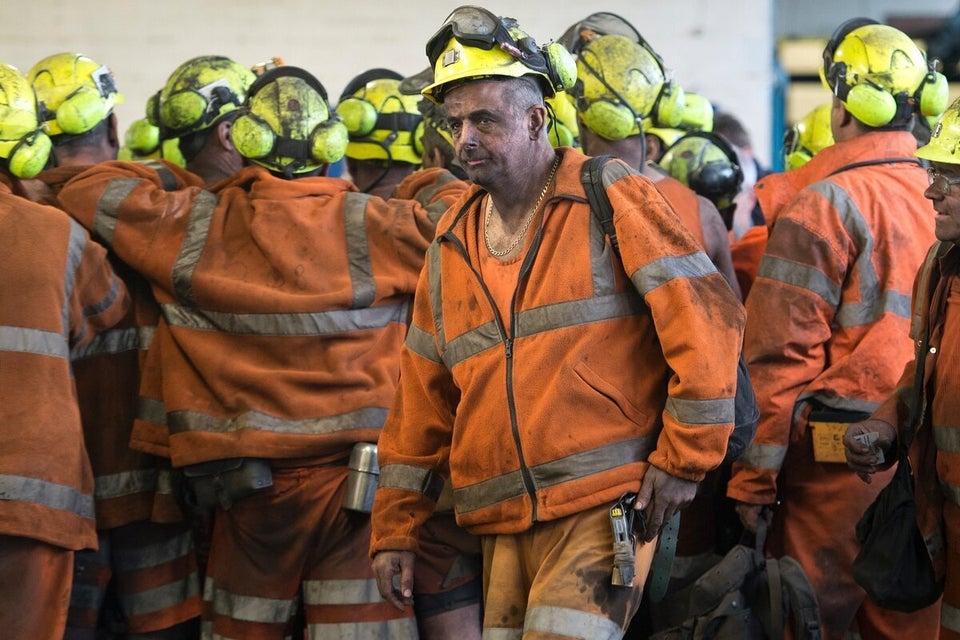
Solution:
(223, 135)
(537, 120)
(113, 136)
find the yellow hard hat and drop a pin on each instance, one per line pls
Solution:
(198, 93)
(74, 93)
(706, 163)
(287, 125)
(474, 43)
(807, 137)
(880, 74)
(23, 144)
(944, 145)
(383, 122)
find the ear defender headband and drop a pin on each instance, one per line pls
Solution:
(610, 119)
(716, 181)
(255, 139)
(871, 104)
(84, 108)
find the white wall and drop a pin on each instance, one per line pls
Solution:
(720, 48)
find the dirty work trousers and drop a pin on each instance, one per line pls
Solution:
(34, 589)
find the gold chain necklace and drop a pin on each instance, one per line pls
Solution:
(526, 224)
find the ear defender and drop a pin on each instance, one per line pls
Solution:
(668, 109)
(417, 138)
(869, 104)
(561, 66)
(933, 96)
(610, 120)
(82, 111)
(30, 155)
(359, 116)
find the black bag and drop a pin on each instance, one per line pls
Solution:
(893, 565)
(746, 411)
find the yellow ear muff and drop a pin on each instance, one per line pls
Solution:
(561, 65)
(82, 111)
(417, 139)
(871, 105)
(670, 105)
(934, 94)
(610, 120)
(328, 141)
(359, 116)
(30, 155)
(252, 136)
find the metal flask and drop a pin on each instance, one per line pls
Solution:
(362, 479)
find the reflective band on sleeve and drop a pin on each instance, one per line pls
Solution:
(150, 410)
(109, 342)
(75, 249)
(358, 250)
(574, 467)
(701, 411)
(570, 623)
(104, 303)
(764, 456)
(198, 228)
(661, 271)
(947, 438)
(48, 494)
(287, 324)
(43, 343)
(145, 336)
(800, 275)
(421, 343)
(117, 485)
(167, 180)
(366, 418)
(108, 208)
(410, 478)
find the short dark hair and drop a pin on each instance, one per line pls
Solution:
(727, 125)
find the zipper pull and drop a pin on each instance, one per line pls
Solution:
(508, 346)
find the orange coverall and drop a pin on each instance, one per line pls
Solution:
(827, 322)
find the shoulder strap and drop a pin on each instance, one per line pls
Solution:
(592, 178)
(869, 163)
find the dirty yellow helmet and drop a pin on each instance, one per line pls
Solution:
(23, 144)
(198, 93)
(383, 122)
(619, 83)
(944, 145)
(474, 43)
(74, 93)
(706, 163)
(287, 125)
(563, 130)
(807, 137)
(880, 74)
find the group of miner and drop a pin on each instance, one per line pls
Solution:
(276, 365)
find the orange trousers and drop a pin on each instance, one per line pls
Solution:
(293, 546)
(553, 581)
(815, 524)
(34, 589)
(448, 569)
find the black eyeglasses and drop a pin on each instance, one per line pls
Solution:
(941, 182)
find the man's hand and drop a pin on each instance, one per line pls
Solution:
(662, 495)
(863, 458)
(386, 565)
(749, 515)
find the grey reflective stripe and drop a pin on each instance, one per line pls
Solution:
(150, 410)
(108, 207)
(436, 293)
(947, 438)
(145, 336)
(839, 403)
(399, 629)
(164, 482)
(47, 494)
(248, 608)
(106, 301)
(340, 592)
(701, 411)
(951, 492)
(950, 617)
(41, 343)
(77, 244)
(421, 343)
(873, 302)
(109, 342)
(570, 623)
(764, 456)
(502, 633)
(366, 418)
(798, 275)
(198, 228)
(574, 467)
(471, 343)
(578, 312)
(601, 260)
(87, 596)
(167, 179)
(126, 483)
(410, 478)
(661, 271)
(160, 598)
(177, 545)
(287, 324)
(358, 250)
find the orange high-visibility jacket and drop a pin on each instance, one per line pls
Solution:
(57, 293)
(829, 311)
(562, 407)
(107, 375)
(285, 302)
(684, 202)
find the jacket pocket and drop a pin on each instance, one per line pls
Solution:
(610, 391)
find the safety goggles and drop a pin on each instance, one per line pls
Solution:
(473, 27)
(941, 182)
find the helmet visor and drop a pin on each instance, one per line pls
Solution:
(474, 27)
(596, 25)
